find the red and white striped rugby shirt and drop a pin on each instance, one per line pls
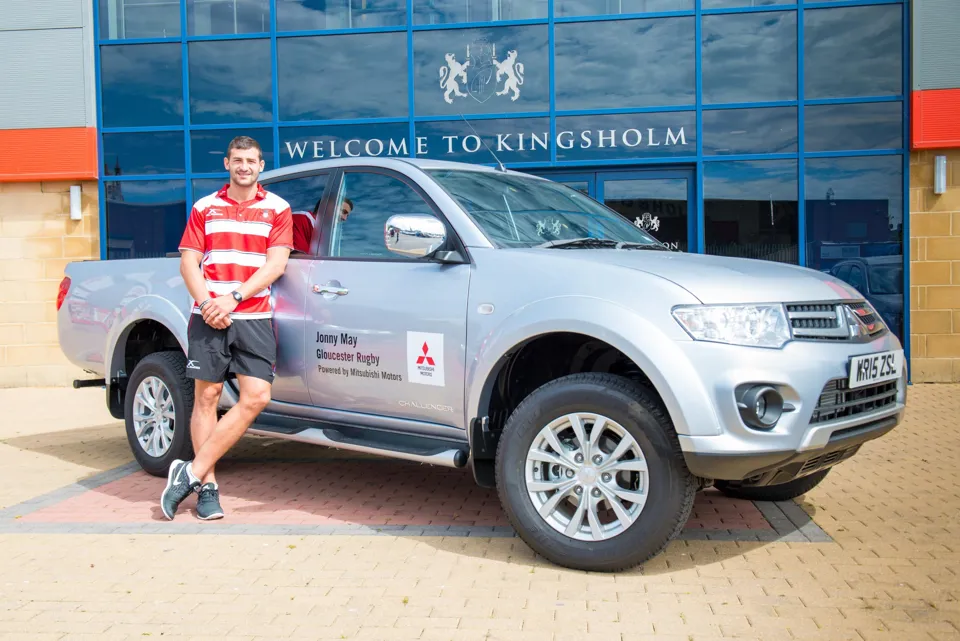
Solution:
(234, 238)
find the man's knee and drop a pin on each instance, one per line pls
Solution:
(207, 395)
(255, 398)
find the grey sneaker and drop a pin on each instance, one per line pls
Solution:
(180, 483)
(208, 503)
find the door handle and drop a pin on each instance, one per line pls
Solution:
(330, 289)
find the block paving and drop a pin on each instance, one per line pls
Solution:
(319, 544)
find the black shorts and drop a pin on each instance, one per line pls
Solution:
(247, 347)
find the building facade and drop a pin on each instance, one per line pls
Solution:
(776, 130)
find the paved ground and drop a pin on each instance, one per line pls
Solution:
(319, 545)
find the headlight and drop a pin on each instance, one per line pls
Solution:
(750, 325)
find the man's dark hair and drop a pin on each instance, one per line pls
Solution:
(245, 142)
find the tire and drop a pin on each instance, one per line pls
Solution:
(169, 368)
(781, 492)
(628, 408)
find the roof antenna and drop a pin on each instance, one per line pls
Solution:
(480, 138)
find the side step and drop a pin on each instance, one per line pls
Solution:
(409, 447)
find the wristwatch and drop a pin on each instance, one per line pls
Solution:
(237, 296)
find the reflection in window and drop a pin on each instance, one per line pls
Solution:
(446, 85)
(306, 144)
(317, 15)
(142, 85)
(656, 205)
(874, 125)
(213, 17)
(750, 57)
(304, 194)
(750, 131)
(510, 140)
(855, 213)
(208, 147)
(725, 4)
(657, 69)
(365, 203)
(626, 136)
(853, 51)
(120, 19)
(158, 152)
(449, 11)
(145, 219)
(618, 7)
(318, 76)
(230, 81)
(750, 209)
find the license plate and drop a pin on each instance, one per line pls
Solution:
(871, 369)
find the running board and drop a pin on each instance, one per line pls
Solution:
(407, 447)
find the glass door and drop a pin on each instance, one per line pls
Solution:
(659, 202)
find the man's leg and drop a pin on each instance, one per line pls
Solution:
(206, 396)
(254, 396)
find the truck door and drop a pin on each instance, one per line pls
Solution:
(385, 334)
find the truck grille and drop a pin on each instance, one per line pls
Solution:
(838, 401)
(833, 321)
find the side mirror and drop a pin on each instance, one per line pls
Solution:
(414, 235)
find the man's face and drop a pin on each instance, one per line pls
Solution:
(244, 166)
(345, 210)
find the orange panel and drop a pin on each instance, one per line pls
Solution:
(935, 118)
(28, 155)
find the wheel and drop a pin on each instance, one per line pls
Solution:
(781, 492)
(590, 473)
(157, 409)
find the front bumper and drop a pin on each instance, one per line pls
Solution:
(813, 436)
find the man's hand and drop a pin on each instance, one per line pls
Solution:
(216, 313)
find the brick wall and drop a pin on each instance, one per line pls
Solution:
(935, 270)
(37, 239)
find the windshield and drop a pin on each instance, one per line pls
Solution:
(523, 211)
(886, 279)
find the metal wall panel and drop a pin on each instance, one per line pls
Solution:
(40, 14)
(42, 79)
(936, 45)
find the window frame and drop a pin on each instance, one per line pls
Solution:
(322, 250)
(309, 173)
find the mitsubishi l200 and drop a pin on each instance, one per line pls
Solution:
(512, 327)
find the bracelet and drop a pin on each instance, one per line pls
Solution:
(203, 303)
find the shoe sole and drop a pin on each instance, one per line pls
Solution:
(170, 474)
(218, 515)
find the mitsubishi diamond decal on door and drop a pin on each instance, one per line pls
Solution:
(425, 358)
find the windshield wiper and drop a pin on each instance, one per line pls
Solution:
(600, 242)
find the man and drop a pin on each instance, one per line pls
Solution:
(236, 244)
(305, 221)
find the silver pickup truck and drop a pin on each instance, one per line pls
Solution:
(498, 322)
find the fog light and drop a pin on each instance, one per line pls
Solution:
(761, 406)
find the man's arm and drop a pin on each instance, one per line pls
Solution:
(262, 278)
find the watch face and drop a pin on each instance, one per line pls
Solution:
(237, 297)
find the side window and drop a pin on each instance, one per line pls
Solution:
(856, 279)
(844, 273)
(304, 195)
(365, 202)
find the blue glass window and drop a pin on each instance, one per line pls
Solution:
(306, 144)
(749, 57)
(624, 136)
(750, 209)
(158, 152)
(214, 17)
(729, 4)
(145, 218)
(450, 11)
(208, 147)
(750, 131)
(510, 140)
(618, 7)
(318, 15)
(230, 81)
(657, 69)
(122, 19)
(446, 86)
(853, 51)
(855, 217)
(205, 186)
(875, 125)
(142, 85)
(343, 76)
